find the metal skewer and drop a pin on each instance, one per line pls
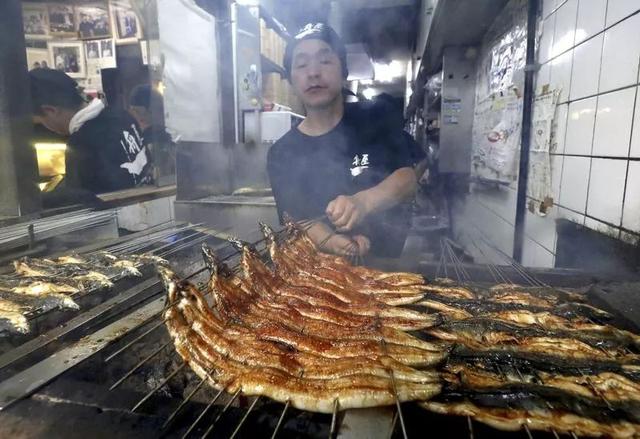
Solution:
(393, 425)
(470, 425)
(137, 366)
(244, 418)
(158, 387)
(135, 340)
(186, 400)
(222, 412)
(284, 411)
(204, 412)
(334, 419)
(555, 434)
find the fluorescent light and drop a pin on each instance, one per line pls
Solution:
(388, 72)
(50, 146)
(368, 93)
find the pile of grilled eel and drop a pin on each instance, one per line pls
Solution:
(538, 357)
(317, 344)
(315, 331)
(44, 284)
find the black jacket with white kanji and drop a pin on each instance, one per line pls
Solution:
(107, 154)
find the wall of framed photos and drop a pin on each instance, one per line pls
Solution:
(80, 37)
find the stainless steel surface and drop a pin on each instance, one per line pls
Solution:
(126, 299)
(29, 380)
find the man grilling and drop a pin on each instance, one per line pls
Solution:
(343, 161)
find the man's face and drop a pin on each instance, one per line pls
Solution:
(55, 119)
(316, 73)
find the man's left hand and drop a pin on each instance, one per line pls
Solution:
(346, 212)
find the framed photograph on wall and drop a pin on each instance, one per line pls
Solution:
(38, 59)
(69, 58)
(35, 20)
(93, 21)
(127, 26)
(62, 20)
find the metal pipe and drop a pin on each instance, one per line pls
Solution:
(525, 134)
(234, 63)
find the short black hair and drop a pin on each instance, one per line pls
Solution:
(140, 96)
(53, 87)
(317, 31)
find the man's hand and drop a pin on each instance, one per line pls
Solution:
(344, 245)
(346, 212)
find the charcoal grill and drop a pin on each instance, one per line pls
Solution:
(112, 370)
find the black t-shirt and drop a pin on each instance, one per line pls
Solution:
(308, 172)
(96, 152)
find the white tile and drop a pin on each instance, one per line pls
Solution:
(543, 75)
(556, 176)
(570, 215)
(548, 7)
(601, 227)
(606, 190)
(613, 123)
(563, 37)
(546, 39)
(635, 140)
(586, 68)
(619, 9)
(591, 16)
(575, 178)
(580, 122)
(561, 75)
(541, 229)
(533, 255)
(631, 213)
(559, 129)
(620, 55)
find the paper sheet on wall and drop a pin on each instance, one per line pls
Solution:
(539, 182)
(190, 71)
(496, 137)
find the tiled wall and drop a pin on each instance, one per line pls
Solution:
(591, 50)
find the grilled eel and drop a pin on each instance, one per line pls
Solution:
(482, 331)
(85, 278)
(532, 363)
(298, 238)
(264, 348)
(546, 320)
(535, 418)
(549, 293)
(12, 317)
(50, 292)
(604, 385)
(304, 254)
(291, 328)
(240, 371)
(260, 279)
(333, 282)
(460, 308)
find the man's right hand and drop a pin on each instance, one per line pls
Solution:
(331, 242)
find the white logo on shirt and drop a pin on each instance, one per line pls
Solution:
(359, 164)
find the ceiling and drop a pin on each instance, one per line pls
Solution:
(378, 31)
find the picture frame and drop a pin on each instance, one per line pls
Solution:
(62, 20)
(68, 56)
(93, 21)
(35, 20)
(127, 28)
(38, 58)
